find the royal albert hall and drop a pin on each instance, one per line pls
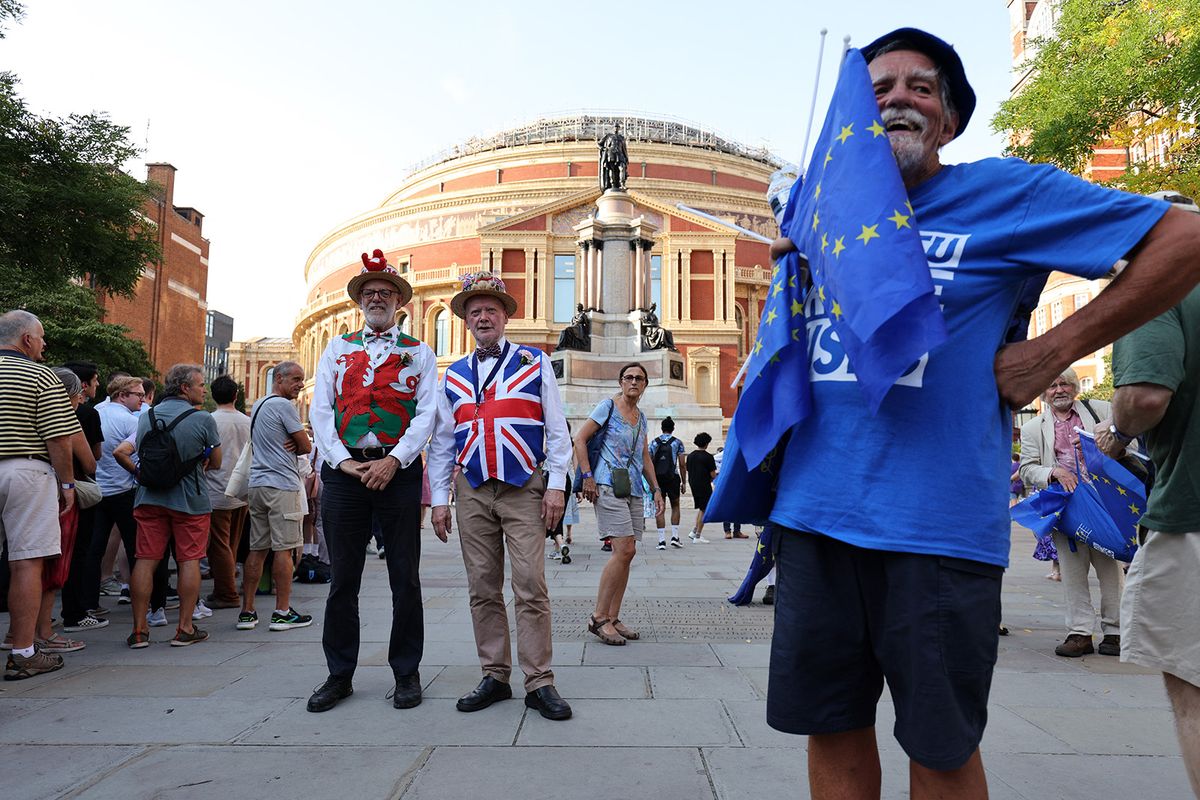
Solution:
(510, 202)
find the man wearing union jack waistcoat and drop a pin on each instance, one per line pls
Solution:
(374, 406)
(499, 417)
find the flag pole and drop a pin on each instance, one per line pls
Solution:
(812, 108)
(719, 221)
(812, 113)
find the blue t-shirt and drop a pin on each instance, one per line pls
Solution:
(622, 449)
(928, 473)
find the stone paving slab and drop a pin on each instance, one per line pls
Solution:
(368, 718)
(1096, 731)
(1087, 777)
(116, 720)
(707, 683)
(563, 773)
(651, 654)
(141, 681)
(634, 723)
(51, 771)
(221, 773)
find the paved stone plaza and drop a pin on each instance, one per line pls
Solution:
(679, 714)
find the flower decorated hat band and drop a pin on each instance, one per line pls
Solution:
(376, 268)
(482, 284)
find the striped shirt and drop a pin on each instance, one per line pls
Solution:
(33, 407)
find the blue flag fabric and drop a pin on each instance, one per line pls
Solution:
(852, 219)
(761, 564)
(1102, 512)
(860, 234)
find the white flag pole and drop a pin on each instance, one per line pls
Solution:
(812, 111)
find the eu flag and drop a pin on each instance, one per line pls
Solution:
(860, 234)
(761, 564)
(1102, 512)
(852, 219)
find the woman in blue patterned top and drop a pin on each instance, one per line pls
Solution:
(615, 489)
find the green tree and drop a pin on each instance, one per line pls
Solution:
(1104, 389)
(1119, 70)
(71, 228)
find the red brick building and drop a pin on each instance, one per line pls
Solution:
(168, 309)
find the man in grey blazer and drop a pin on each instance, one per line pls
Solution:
(1049, 450)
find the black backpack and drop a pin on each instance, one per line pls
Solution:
(664, 458)
(159, 465)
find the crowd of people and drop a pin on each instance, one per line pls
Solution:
(897, 578)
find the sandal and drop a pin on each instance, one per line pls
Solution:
(626, 633)
(596, 626)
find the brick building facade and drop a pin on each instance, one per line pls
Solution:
(168, 310)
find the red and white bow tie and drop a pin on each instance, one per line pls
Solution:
(387, 335)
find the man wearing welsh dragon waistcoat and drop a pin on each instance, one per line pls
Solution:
(373, 409)
(499, 418)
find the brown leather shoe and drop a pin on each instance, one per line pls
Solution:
(1110, 645)
(1075, 646)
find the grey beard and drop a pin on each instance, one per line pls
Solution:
(910, 155)
(379, 320)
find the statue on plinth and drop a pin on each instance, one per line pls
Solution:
(614, 160)
(577, 335)
(654, 335)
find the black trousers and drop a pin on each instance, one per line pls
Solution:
(74, 605)
(347, 510)
(117, 509)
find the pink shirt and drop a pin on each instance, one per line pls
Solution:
(1066, 440)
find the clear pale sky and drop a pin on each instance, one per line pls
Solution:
(286, 118)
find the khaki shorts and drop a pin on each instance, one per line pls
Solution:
(1160, 610)
(275, 519)
(29, 509)
(617, 517)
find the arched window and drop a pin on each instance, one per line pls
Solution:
(740, 320)
(441, 333)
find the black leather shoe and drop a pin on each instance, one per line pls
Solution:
(408, 691)
(769, 596)
(1110, 645)
(548, 702)
(329, 693)
(487, 692)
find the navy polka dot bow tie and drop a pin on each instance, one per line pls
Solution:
(482, 353)
(385, 335)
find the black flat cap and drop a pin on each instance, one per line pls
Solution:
(940, 53)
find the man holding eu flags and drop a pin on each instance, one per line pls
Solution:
(888, 377)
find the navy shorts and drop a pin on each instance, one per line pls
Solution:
(846, 618)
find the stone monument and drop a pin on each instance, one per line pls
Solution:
(616, 322)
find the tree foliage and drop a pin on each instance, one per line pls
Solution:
(1119, 70)
(1104, 389)
(71, 228)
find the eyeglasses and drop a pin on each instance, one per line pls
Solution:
(382, 294)
(139, 395)
(633, 378)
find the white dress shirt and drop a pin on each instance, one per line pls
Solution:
(443, 449)
(328, 386)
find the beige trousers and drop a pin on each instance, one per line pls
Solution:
(1081, 614)
(490, 517)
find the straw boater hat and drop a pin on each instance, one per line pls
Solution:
(482, 284)
(376, 268)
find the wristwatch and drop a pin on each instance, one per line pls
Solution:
(67, 485)
(586, 475)
(1120, 437)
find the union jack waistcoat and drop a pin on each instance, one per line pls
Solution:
(502, 437)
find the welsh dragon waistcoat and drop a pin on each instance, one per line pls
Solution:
(380, 399)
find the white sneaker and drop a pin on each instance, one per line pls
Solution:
(371, 548)
(201, 611)
(157, 618)
(697, 538)
(675, 542)
(662, 544)
(556, 556)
